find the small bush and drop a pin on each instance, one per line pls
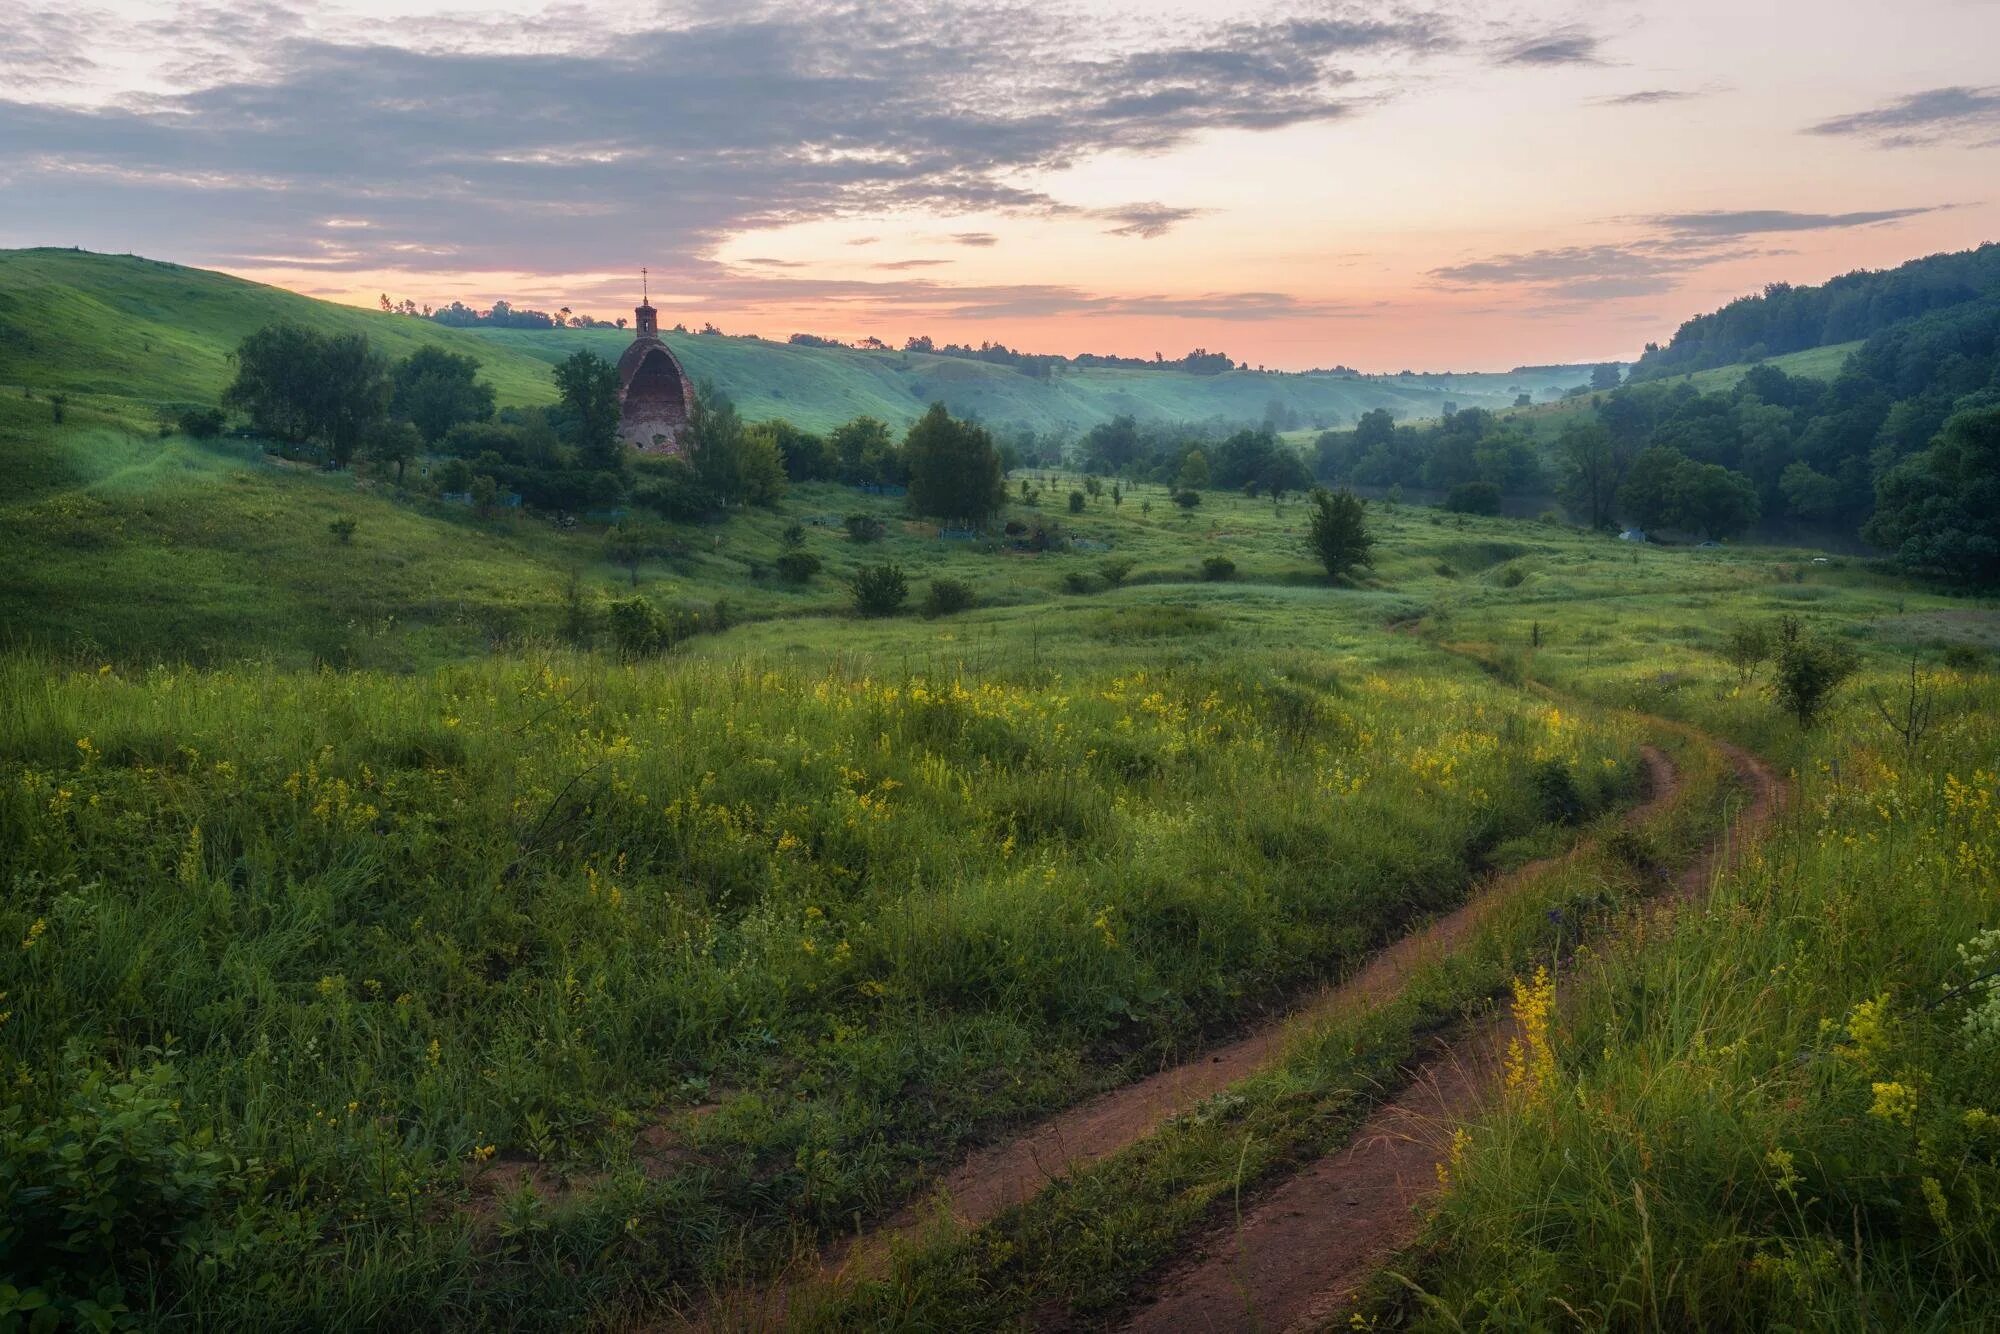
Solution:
(1473, 498)
(1217, 569)
(865, 528)
(1076, 502)
(1746, 646)
(1187, 499)
(947, 596)
(1557, 798)
(794, 535)
(1076, 581)
(796, 567)
(1811, 670)
(637, 627)
(113, 1180)
(202, 423)
(879, 590)
(1962, 657)
(342, 529)
(1116, 571)
(1511, 576)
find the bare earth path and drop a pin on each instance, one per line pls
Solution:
(1002, 1175)
(1297, 1258)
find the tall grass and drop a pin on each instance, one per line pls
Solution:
(381, 947)
(1779, 1112)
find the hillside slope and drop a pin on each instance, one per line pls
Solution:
(122, 327)
(119, 327)
(1849, 308)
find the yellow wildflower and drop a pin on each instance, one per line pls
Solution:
(1531, 1057)
(1894, 1102)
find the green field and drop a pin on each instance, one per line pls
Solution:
(385, 949)
(155, 335)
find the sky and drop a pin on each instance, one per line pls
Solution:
(1462, 186)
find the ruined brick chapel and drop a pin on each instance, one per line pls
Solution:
(655, 395)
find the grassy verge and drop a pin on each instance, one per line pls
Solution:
(1781, 1113)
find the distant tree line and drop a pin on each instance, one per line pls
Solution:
(1898, 447)
(501, 315)
(1857, 305)
(1038, 365)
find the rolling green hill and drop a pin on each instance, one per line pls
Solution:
(114, 328)
(118, 327)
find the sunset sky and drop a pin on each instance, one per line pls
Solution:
(1450, 187)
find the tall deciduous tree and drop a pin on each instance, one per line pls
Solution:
(1593, 469)
(394, 442)
(1666, 489)
(435, 390)
(1337, 531)
(954, 468)
(302, 386)
(589, 388)
(866, 452)
(714, 440)
(1938, 512)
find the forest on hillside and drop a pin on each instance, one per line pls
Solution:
(1784, 318)
(1901, 449)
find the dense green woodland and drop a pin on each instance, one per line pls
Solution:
(1784, 318)
(1897, 448)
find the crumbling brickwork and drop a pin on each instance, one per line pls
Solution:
(655, 395)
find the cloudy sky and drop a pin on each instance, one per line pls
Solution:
(1381, 185)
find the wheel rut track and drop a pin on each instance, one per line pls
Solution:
(1297, 1259)
(1000, 1176)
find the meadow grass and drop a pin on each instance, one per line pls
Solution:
(424, 972)
(1090, 1242)
(1779, 1111)
(366, 934)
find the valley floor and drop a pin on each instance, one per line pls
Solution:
(385, 960)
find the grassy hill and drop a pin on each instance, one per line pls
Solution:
(150, 335)
(119, 328)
